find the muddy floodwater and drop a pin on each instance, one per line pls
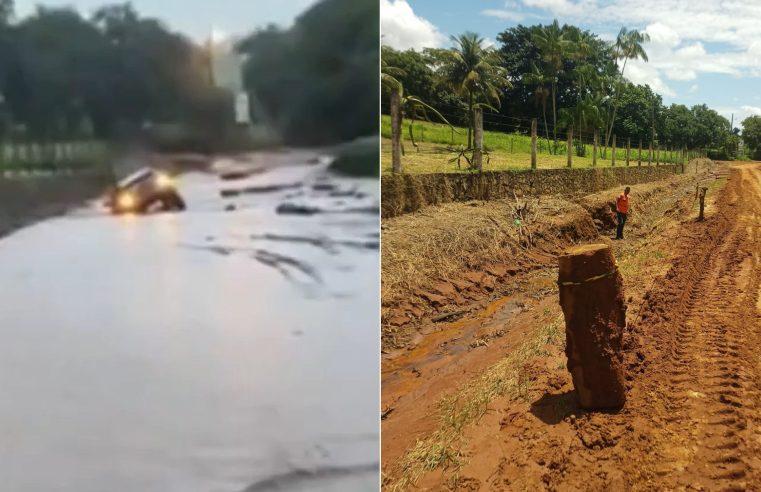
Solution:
(226, 348)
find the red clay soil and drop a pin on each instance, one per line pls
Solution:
(559, 224)
(592, 298)
(692, 419)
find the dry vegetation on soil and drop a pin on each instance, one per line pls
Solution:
(484, 402)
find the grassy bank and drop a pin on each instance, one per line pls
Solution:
(506, 150)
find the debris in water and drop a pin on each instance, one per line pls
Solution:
(294, 209)
(259, 189)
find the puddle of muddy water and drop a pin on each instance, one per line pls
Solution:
(139, 358)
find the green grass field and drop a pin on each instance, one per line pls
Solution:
(506, 151)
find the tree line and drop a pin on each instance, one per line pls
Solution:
(566, 77)
(116, 74)
(64, 76)
(319, 79)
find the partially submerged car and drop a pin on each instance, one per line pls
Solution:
(144, 191)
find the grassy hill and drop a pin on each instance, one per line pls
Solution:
(437, 145)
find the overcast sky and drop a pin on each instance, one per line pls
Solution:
(701, 51)
(196, 18)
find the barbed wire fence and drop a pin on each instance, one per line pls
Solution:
(533, 137)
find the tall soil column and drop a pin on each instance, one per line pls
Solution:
(592, 298)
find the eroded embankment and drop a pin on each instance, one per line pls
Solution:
(491, 364)
(439, 261)
(691, 415)
(402, 194)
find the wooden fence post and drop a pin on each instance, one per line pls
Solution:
(396, 132)
(639, 153)
(702, 202)
(628, 149)
(478, 139)
(594, 148)
(533, 143)
(658, 155)
(570, 147)
(613, 152)
(650, 154)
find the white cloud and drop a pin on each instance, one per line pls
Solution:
(738, 113)
(489, 43)
(754, 110)
(693, 88)
(561, 7)
(680, 32)
(642, 73)
(402, 29)
(662, 34)
(510, 15)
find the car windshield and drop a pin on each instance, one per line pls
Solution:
(135, 178)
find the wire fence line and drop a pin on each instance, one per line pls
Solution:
(508, 145)
(522, 126)
(54, 156)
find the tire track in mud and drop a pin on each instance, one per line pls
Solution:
(708, 332)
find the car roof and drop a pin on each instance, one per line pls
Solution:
(136, 177)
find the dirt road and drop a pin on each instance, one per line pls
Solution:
(702, 386)
(692, 419)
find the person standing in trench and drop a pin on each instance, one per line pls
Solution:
(622, 211)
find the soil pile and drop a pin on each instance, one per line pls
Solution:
(591, 295)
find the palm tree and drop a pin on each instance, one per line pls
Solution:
(585, 116)
(585, 78)
(628, 47)
(554, 48)
(390, 76)
(409, 106)
(609, 84)
(541, 93)
(474, 72)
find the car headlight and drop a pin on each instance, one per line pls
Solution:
(164, 181)
(126, 201)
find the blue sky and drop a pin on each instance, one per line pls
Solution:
(196, 18)
(701, 51)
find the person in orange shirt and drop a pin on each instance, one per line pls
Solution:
(622, 211)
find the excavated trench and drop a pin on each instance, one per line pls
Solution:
(441, 263)
(500, 297)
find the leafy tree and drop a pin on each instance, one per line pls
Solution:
(66, 76)
(540, 81)
(414, 72)
(474, 72)
(751, 135)
(585, 116)
(318, 80)
(678, 125)
(628, 47)
(636, 118)
(409, 106)
(554, 47)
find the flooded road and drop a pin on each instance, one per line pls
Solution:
(227, 348)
